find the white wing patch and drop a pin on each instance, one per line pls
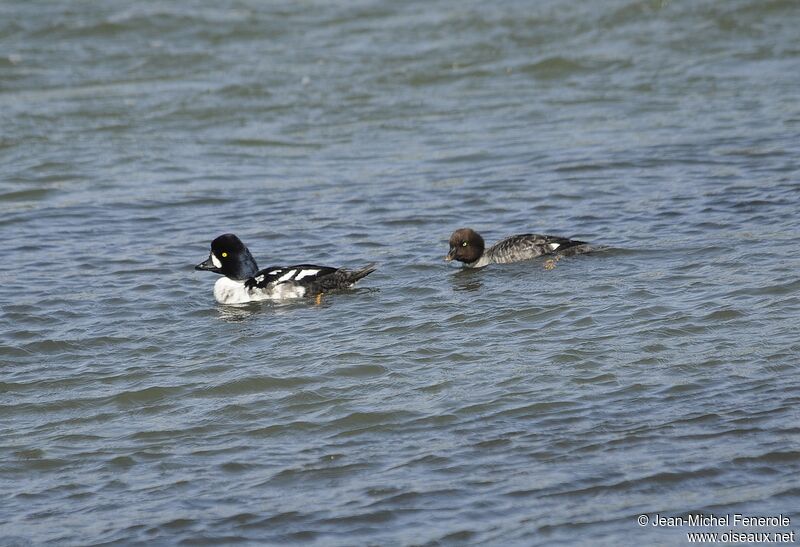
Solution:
(286, 276)
(273, 272)
(215, 261)
(260, 278)
(554, 246)
(305, 273)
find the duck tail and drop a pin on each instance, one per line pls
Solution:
(361, 273)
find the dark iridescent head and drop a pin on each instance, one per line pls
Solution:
(229, 257)
(466, 245)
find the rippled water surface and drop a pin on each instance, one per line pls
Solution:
(515, 405)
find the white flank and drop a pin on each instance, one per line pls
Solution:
(215, 261)
(287, 291)
(230, 291)
(304, 273)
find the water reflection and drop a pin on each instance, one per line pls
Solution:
(237, 313)
(466, 279)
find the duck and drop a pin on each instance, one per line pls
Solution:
(242, 281)
(467, 246)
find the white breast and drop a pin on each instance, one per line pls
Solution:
(484, 260)
(229, 291)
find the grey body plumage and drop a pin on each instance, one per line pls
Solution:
(528, 246)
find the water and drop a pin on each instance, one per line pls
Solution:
(514, 405)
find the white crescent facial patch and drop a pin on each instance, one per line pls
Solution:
(215, 261)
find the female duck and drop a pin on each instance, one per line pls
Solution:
(467, 246)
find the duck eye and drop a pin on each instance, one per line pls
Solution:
(464, 244)
(224, 255)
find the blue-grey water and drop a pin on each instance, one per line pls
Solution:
(516, 405)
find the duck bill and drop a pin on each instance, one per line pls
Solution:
(208, 264)
(451, 255)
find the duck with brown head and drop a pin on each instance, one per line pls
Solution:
(467, 246)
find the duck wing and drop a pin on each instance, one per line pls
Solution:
(301, 274)
(527, 246)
